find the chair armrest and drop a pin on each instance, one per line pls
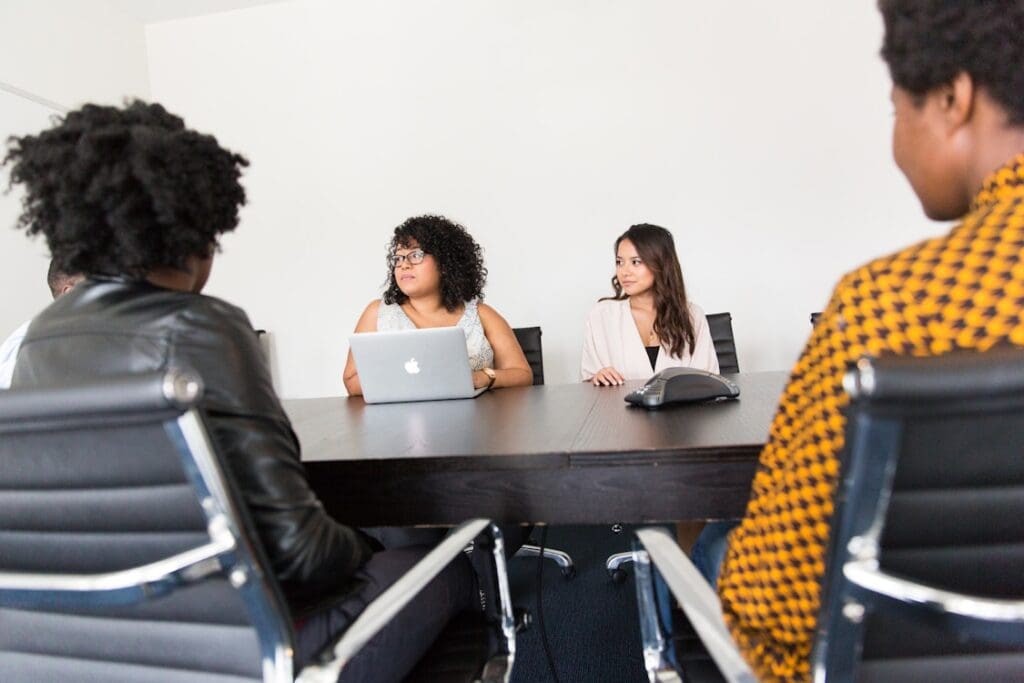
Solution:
(698, 600)
(379, 612)
(123, 587)
(174, 390)
(867, 575)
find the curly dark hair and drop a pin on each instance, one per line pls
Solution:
(672, 321)
(123, 191)
(928, 42)
(459, 259)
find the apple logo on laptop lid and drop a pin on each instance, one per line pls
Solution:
(412, 367)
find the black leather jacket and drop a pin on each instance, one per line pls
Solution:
(113, 326)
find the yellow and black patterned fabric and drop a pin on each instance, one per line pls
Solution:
(961, 291)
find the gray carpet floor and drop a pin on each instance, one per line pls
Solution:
(591, 621)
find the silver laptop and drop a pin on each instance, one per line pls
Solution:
(413, 365)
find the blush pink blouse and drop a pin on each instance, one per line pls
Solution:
(611, 339)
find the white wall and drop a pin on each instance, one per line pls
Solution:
(71, 52)
(757, 132)
(54, 54)
(759, 135)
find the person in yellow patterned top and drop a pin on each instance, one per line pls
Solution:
(958, 136)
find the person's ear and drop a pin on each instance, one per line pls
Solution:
(956, 101)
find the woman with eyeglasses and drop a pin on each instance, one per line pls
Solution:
(649, 324)
(436, 279)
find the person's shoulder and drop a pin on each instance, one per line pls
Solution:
(203, 319)
(485, 310)
(374, 308)
(610, 305)
(13, 341)
(211, 303)
(17, 335)
(695, 310)
(210, 306)
(489, 316)
(217, 339)
(891, 270)
(606, 307)
(104, 304)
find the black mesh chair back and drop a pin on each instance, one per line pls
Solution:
(529, 340)
(720, 325)
(926, 580)
(119, 480)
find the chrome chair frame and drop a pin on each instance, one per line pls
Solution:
(559, 557)
(229, 552)
(858, 586)
(861, 585)
(697, 599)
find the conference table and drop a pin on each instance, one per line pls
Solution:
(556, 454)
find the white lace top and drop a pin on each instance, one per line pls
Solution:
(391, 317)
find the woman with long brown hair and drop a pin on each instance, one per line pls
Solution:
(649, 324)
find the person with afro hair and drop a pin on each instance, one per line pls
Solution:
(957, 68)
(136, 202)
(436, 278)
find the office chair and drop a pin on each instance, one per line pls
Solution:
(128, 556)
(720, 326)
(925, 578)
(529, 341)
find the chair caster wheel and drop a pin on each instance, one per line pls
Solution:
(523, 619)
(619, 576)
(569, 573)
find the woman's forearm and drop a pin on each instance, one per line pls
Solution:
(513, 377)
(352, 385)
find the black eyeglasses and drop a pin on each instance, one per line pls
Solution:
(414, 257)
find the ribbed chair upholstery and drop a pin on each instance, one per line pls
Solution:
(720, 325)
(529, 341)
(932, 500)
(925, 578)
(92, 483)
(126, 555)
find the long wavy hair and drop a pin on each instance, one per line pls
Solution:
(672, 321)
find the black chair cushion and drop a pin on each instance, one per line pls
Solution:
(529, 340)
(720, 325)
(693, 658)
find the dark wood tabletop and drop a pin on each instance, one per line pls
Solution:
(557, 454)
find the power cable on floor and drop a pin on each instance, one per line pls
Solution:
(540, 606)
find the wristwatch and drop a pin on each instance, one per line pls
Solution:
(491, 375)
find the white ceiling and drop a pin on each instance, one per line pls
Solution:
(152, 11)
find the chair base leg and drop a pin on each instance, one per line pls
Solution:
(614, 566)
(562, 559)
(498, 669)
